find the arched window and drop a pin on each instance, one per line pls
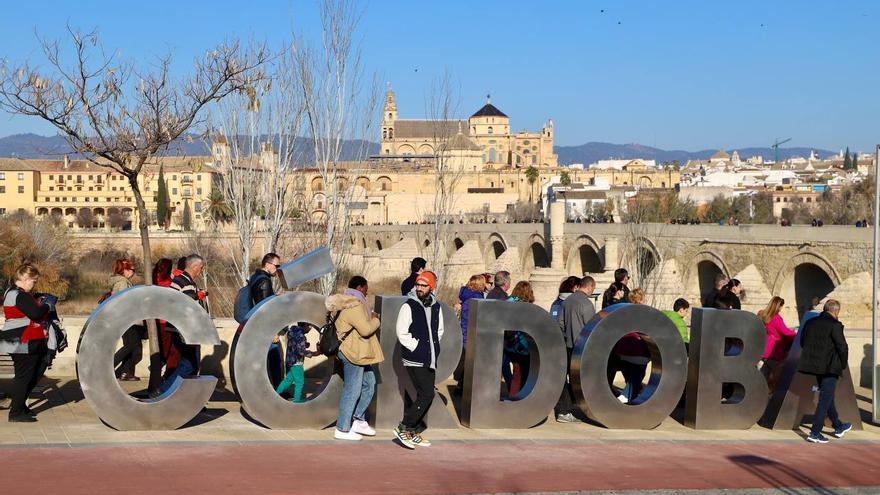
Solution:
(385, 134)
(390, 133)
(490, 130)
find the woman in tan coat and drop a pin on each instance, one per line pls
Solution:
(359, 350)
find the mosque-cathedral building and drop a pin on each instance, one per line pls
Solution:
(488, 129)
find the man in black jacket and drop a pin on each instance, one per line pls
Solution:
(720, 281)
(502, 285)
(261, 280)
(416, 266)
(261, 288)
(185, 282)
(825, 355)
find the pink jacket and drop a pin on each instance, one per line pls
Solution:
(779, 339)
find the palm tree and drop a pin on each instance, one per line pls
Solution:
(218, 209)
(565, 180)
(532, 176)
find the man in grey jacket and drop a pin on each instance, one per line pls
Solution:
(577, 310)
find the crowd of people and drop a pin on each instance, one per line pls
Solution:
(575, 306)
(31, 338)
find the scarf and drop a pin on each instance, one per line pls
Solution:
(362, 298)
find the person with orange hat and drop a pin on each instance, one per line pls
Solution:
(419, 330)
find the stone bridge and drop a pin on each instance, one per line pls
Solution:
(802, 264)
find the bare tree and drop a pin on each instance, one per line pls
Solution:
(340, 108)
(284, 112)
(442, 104)
(237, 157)
(119, 116)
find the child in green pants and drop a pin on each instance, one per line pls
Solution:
(297, 352)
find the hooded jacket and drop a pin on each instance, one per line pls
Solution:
(419, 329)
(356, 330)
(465, 295)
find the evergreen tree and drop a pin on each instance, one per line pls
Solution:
(162, 200)
(847, 160)
(187, 216)
(855, 161)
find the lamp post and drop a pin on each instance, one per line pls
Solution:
(875, 385)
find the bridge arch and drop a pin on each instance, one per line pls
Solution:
(494, 247)
(641, 259)
(585, 256)
(701, 274)
(805, 279)
(535, 254)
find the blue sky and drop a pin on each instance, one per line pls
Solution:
(672, 74)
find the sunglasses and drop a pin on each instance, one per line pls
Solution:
(276, 265)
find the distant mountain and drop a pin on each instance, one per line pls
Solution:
(36, 146)
(592, 152)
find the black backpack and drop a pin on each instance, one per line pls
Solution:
(329, 342)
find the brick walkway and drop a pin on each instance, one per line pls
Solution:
(222, 452)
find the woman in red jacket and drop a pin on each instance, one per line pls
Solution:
(779, 340)
(24, 337)
(162, 277)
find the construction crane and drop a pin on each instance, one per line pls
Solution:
(775, 147)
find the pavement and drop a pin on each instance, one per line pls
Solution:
(221, 451)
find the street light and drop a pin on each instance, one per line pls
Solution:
(875, 385)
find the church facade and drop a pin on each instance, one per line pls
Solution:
(487, 132)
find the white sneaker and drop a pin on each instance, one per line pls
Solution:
(622, 398)
(346, 435)
(362, 427)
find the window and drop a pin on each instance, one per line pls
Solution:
(20, 189)
(73, 199)
(91, 188)
(50, 177)
(199, 191)
(199, 177)
(2, 175)
(174, 191)
(100, 179)
(69, 177)
(79, 179)
(86, 199)
(51, 188)
(489, 130)
(2, 189)
(174, 177)
(198, 206)
(2, 211)
(187, 178)
(95, 200)
(21, 176)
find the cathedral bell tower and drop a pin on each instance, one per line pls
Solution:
(389, 115)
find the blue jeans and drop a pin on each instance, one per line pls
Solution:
(357, 393)
(633, 374)
(825, 406)
(187, 365)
